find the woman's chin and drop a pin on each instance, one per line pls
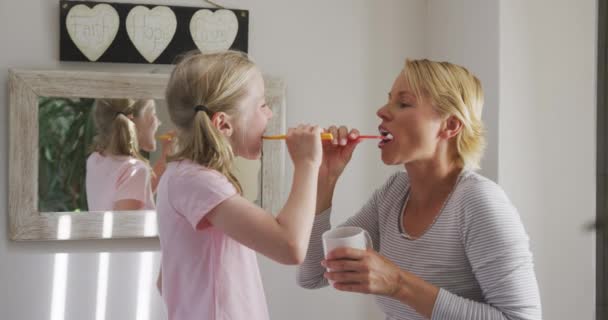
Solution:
(386, 157)
(390, 160)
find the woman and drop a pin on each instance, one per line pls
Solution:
(450, 244)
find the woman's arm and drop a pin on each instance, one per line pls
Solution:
(336, 155)
(498, 250)
(310, 273)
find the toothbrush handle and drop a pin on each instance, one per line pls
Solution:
(324, 136)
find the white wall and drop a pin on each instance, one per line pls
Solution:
(339, 58)
(536, 60)
(547, 142)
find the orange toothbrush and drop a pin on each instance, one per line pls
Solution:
(324, 136)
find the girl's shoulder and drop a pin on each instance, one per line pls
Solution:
(188, 172)
(121, 163)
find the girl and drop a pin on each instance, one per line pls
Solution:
(208, 232)
(118, 177)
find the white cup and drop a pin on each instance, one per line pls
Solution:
(346, 237)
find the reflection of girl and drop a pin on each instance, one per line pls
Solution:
(118, 177)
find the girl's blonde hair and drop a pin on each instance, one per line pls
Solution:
(217, 81)
(116, 132)
(453, 91)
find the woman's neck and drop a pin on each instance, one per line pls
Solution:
(431, 181)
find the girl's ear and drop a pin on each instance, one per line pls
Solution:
(450, 128)
(222, 122)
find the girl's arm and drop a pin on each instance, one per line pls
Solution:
(128, 205)
(284, 238)
(161, 164)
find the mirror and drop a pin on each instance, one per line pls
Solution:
(53, 132)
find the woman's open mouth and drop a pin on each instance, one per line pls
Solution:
(387, 137)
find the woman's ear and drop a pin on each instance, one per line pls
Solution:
(222, 122)
(451, 127)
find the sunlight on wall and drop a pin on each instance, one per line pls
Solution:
(60, 271)
(144, 285)
(150, 224)
(103, 270)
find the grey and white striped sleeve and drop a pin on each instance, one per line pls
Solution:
(310, 272)
(497, 248)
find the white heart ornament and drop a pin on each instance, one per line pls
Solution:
(213, 31)
(151, 30)
(92, 29)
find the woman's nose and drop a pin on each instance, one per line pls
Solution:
(382, 113)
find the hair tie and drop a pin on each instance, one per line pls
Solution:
(203, 108)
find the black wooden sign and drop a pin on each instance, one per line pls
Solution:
(135, 33)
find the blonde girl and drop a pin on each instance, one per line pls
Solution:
(209, 233)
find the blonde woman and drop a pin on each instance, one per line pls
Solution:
(118, 177)
(450, 244)
(209, 232)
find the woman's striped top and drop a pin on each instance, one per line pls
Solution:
(477, 251)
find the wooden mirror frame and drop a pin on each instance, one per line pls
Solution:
(26, 86)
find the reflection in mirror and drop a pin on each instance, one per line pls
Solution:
(109, 154)
(52, 134)
(118, 176)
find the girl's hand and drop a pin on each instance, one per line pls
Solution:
(304, 145)
(337, 153)
(363, 271)
(167, 142)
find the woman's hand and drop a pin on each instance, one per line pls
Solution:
(337, 152)
(366, 271)
(363, 271)
(336, 155)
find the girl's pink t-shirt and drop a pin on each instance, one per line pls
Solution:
(110, 179)
(205, 273)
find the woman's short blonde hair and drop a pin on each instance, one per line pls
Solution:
(453, 91)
